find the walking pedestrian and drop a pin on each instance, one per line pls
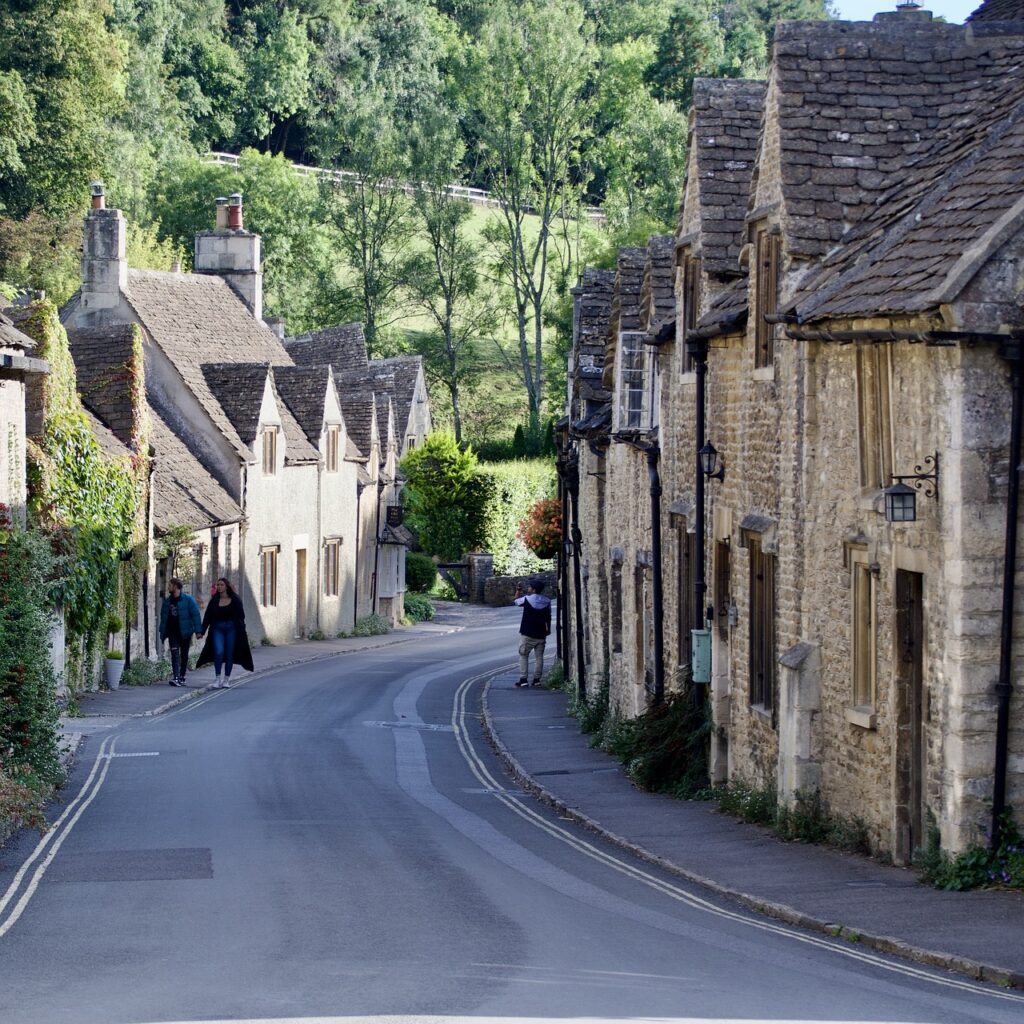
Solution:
(227, 643)
(533, 629)
(180, 619)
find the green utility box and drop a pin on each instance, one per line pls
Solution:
(700, 660)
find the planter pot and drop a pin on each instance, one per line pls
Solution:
(115, 667)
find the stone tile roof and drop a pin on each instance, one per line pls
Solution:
(238, 388)
(404, 372)
(197, 319)
(359, 410)
(725, 126)
(184, 493)
(925, 239)
(625, 314)
(595, 291)
(109, 442)
(343, 346)
(658, 299)
(999, 10)
(854, 101)
(304, 391)
(102, 357)
(727, 310)
(11, 337)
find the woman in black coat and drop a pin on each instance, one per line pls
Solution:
(226, 643)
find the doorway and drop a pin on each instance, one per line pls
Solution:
(911, 755)
(300, 592)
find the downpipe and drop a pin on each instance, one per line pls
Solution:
(577, 585)
(653, 455)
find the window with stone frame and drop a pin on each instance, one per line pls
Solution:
(689, 298)
(631, 384)
(269, 557)
(767, 257)
(410, 442)
(332, 563)
(333, 442)
(269, 451)
(616, 609)
(762, 626)
(874, 416)
(864, 601)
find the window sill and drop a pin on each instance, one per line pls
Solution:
(764, 373)
(688, 378)
(762, 711)
(862, 717)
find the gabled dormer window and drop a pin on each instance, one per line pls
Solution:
(331, 454)
(269, 451)
(767, 253)
(689, 298)
(630, 382)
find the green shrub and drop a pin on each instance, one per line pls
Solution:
(418, 607)
(142, 672)
(115, 655)
(420, 572)
(592, 712)
(22, 798)
(975, 867)
(114, 623)
(515, 488)
(372, 625)
(318, 634)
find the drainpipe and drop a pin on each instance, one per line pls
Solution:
(1004, 687)
(653, 454)
(573, 484)
(561, 650)
(698, 349)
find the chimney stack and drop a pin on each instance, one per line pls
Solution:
(276, 324)
(233, 253)
(104, 264)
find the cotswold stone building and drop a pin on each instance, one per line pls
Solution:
(849, 272)
(255, 454)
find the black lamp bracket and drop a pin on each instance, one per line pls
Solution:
(921, 479)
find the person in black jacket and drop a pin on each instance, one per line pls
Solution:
(226, 643)
(533, 630)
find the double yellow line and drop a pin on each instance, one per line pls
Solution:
(20, 891)
(573, 840)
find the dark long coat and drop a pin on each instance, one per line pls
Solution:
(243, 654)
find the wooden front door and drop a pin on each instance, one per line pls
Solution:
(911, 755)
(300, 592)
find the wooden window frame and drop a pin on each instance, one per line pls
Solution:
(863, 632)
(874, 415)
(333, 444)
(332, 567)
(269, 438)
(269, 556)
(762, 626)
(767, 256)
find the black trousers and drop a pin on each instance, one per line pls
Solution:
(179, 657)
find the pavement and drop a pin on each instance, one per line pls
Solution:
(979, 934)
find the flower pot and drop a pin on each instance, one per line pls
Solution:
(115, 667)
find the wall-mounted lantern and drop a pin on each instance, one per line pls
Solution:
(712, 466)
(901, 500)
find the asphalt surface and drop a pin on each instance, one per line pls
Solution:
(336, 840)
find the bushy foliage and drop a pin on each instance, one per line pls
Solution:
(541, 530)
(419, 607)
(445, 497)
(420, 572)
(371, 625)
(28, 707)
(977, 866)
(515, 487)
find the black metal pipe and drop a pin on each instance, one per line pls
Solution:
(577, 586)
(1004, 687)
(653, 453)
(698, 349)
(360, 487)
(561, 638)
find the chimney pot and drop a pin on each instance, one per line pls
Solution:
(99, 199)
(235, 212)
(176, 267)
(222, 213)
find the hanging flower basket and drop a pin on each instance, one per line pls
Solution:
(541, 530)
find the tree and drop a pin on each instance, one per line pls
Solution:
(444, 281)
(529, 72)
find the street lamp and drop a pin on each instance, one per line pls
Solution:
(710, 464)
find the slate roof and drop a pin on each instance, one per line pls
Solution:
(184, 493)
(725, 124)
(594, 310)
(238, 388)
(11, 337)
(625, 313)
(111, 445)
(999, 10)
(359, 409)
(102, 357)
(726, 311)
(343, 346)
(658, 300)
(197, 319)
(304, 391)
(854, 102)
(404, 372)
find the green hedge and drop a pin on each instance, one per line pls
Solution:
(515, 486)
(420, 572)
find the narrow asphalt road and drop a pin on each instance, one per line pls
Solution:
(336, 841)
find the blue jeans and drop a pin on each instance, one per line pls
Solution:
(223, 635)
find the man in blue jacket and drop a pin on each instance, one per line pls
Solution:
(179, 621)
(533, 630)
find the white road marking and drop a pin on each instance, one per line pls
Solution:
(483, 774)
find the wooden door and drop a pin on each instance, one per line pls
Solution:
(911, 755)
